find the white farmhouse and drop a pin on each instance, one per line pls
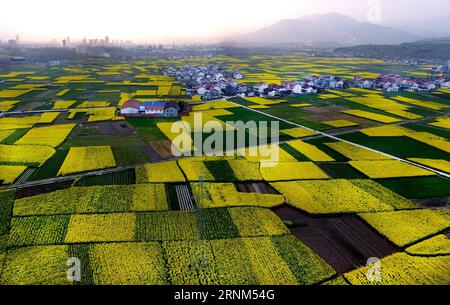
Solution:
(297, 89)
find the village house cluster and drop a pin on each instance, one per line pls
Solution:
(213, 81)
(210, 81)
(396, 83)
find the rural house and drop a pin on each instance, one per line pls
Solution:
(136, 108)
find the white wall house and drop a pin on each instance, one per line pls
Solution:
(129, 110)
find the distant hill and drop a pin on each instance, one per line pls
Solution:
(327, 30)
(438, 48)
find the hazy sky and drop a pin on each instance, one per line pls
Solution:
(153, 20)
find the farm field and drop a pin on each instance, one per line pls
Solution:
(358, 173)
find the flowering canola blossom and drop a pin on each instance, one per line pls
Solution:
(127, 263)
(25, 154)
(406, 227)
(354, 152)
(310, 151)
(299, 132)
(442, 165)
(443, 122)
(340, 123)
(164, 172)
(285, 171)
(399, 131)
(379, 169)
(95, 199)
(372, 116)
(84, 159)
(10, 173)
(340, 196)
(438, 245)
(404, 269)
(226, 195)
(51, 136)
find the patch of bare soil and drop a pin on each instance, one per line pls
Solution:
(121, 128)
(151, 154)
(42, 189)
(259, 187)
(344, 242)
(441, 202)
(163, 148)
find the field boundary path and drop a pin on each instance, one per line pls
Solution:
(440, 173)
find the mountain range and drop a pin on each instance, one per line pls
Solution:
(332, 30)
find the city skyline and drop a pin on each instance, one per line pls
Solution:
(141, 21)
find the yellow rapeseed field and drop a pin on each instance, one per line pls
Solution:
(443, 122)
(404, 269)
(48, 117)
(245, 170)
(194, 169)
(62, 92)
(84, 159)
(380, 169)
(51, 136)
(166, 129)
(101, 228)
(226, 195)
(442, 165)
(310, 151)
(372, 116)
(4, 134)
(127, 264)
(406, 227)
(424, 104)
(12, 93)
(63, 104)
(354, 152)
(299, 132)
(438, 245)
(340, 123)
(40, 265)
(10, 173)
(340, 196)
(285, 171)
(164, 172)
(399, 131)
(94, 104)
(263, 101)
(7, 105)
(302, 105)
(25, 154)
(221, 104)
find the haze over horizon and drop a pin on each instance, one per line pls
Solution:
(185, 21)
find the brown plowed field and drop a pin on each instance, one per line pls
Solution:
(344, 242)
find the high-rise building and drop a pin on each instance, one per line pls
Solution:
(68, 40)
(106, 39)
(17, 39)
(12, 42)
(64, 43)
